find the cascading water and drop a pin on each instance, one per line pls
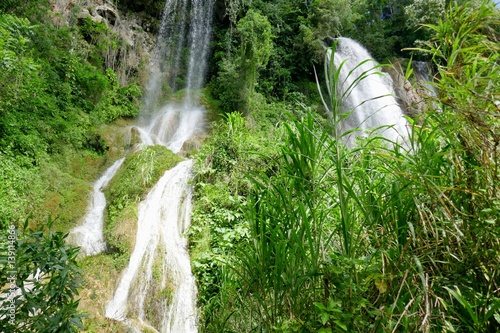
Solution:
(157, 287)
(174, 123)
(157, 290)
(370, 101)
(89, 235)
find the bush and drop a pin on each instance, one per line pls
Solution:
(44, 277)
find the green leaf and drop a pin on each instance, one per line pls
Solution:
(340, 324)
(325, 316)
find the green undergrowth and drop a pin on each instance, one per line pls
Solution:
(57, 95)
(237, 146)
(140, 171)
(293, 232)
(57, 187)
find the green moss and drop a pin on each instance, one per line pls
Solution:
(140, 171)
(100, 277)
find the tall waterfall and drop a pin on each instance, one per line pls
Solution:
(369, 102)
(157, 290)
(185, 24)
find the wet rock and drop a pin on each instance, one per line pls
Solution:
(410, 96)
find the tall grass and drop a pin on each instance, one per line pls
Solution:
(374, 239)
(278, 270)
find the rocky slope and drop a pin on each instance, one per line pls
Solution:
(134, 31)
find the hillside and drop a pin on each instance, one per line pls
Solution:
(296, 226)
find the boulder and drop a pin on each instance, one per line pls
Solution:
(109, 13)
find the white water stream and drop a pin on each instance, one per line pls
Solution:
(89, 235)
(370, 102)
(175, 124)
(157, 290)
(158, 279)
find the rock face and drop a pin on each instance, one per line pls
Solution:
(102, 13)
(129, 59)
(108, 13)
(411, 97)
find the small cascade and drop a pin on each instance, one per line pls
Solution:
(174, 124)
(157, 287)
(89, 235)
(370, 102)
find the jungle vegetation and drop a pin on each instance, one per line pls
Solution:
(292, 231)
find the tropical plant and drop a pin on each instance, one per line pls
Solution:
(40, 279)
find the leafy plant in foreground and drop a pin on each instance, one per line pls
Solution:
(41, 278)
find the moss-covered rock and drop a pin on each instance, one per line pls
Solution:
(140, 171)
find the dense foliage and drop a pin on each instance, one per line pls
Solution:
(298, 30)
(295, 233)
(41, 278)
(57, 90)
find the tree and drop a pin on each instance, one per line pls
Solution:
(239, 71)
(256, 45)
(333, 17)
(381, 27)
(424, 11)
(328, 18)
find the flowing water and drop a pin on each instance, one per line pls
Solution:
(369, 103)
(185, 24)
(157, 290)
(89, 235)
(174, 125)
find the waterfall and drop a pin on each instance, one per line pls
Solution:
(173, 123)
(89, 235)
(367, 105)
(158, 287)
(166, 59)
(157, 291)
(169, 69)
